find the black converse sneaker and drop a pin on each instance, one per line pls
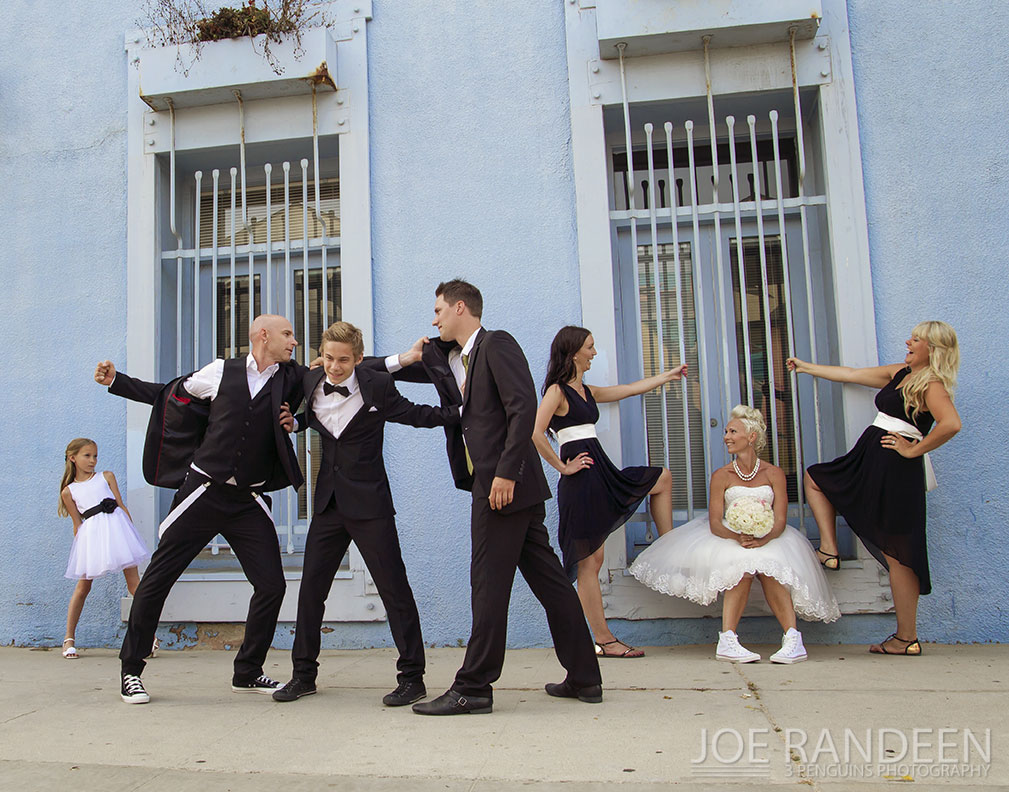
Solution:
(261, 684)
(133, 690)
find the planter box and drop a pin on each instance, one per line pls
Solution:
(236, 64)
(654, 27)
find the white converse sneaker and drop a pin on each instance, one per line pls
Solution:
(792, 650)
(731, 650)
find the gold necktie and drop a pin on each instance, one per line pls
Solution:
(469, 461)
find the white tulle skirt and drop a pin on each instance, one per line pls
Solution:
(105, 543)
(693, 563)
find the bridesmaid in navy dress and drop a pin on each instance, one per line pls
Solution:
(879, 485)
(594, 496)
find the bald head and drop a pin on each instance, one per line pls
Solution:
(268, 322)
(272, 340)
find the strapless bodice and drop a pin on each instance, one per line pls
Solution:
(763, 492)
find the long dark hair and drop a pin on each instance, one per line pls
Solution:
(561, 368)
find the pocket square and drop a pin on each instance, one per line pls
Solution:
(373, 408)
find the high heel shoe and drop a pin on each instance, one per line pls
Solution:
(913, 648)
(629, 651)
(828, 560)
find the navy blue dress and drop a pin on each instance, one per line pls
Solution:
(593, 502)
(880, 493)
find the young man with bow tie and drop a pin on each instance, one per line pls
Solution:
(348, 405)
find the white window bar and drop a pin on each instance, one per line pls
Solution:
(196, 274)
(269, 308)
(289, 293)
(178, 243)
(233, 313)
(730, 121)
(631, 192)
(680, 329)
(702, 354)
(657, 284)
(790, 336)
(213, 268)
(306, 342)
(723, 326)
(751, 122)
(801, 152)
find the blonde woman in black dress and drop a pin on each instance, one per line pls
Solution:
(594, 496)
(879, 485)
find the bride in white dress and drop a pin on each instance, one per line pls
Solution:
(704, 557)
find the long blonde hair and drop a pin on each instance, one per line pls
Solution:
(70, 471)
(943, 364)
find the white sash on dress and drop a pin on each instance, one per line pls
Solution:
(579, 432)
(896, 426)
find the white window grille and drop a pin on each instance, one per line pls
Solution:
(719, 197)
(235, 209)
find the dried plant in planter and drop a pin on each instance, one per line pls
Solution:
(264, 22)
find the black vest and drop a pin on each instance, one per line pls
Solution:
(240, 439)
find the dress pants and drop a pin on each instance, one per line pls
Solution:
(329, 536)
(500, 543)
(234, 513)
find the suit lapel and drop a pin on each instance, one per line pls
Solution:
(471, 365)
(311, 382)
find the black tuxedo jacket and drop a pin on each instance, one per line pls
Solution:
(498, 418)
(352, 467)
(434, 369)
(179, 421)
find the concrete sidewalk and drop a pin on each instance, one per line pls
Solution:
(63, 726)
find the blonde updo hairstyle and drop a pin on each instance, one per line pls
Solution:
(753, 420)
(943, 365)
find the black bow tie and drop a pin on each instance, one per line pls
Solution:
(343, 390)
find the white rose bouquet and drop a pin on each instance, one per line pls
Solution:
(750, 516)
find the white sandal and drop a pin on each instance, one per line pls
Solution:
(154, 647)
(70, 652)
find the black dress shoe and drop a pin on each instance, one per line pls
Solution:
(405, 693)
(294, 689)
(454, 703)
(592, 694)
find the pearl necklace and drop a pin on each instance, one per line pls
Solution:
(746, 476)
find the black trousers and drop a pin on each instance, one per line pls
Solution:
(500, 544)
(234, 513)
(329, 536)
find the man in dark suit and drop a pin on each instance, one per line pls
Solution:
(494, 457)
(348, 405)
(242, 453)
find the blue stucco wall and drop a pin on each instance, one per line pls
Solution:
(471, 176)
(62, 264)
(934, 154)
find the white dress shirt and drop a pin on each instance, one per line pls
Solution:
(335, 411)
(205, 383)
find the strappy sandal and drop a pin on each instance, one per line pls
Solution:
(828, 560)
(154, 647)
(629, 653)
(913, 648)
(70, 652)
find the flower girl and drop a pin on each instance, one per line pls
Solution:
(709, 555)
(104, 537)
